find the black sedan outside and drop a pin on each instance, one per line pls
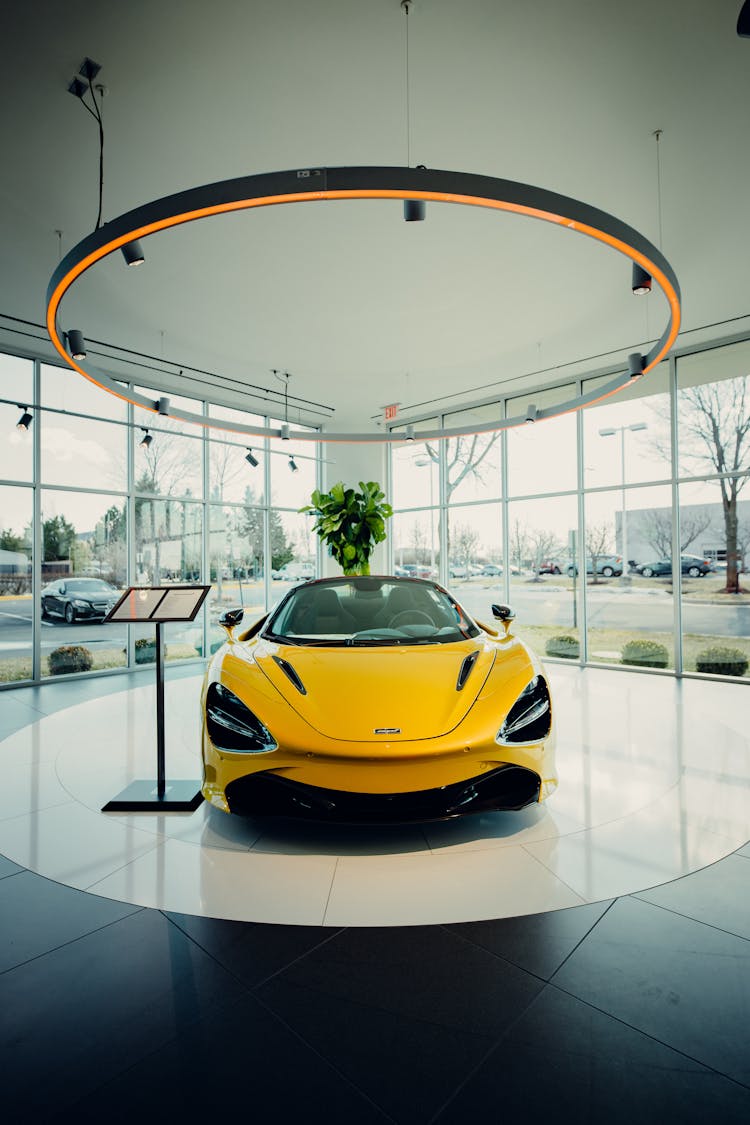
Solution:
(690, 564)
(74, 599)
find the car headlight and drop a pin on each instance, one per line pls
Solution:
(530, 717)
(81, 604)
(233, 726)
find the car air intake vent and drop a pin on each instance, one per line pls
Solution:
(290, 674)
(466, 668)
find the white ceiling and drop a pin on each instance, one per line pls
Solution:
(362, 308)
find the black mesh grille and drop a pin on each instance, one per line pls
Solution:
(269, 794)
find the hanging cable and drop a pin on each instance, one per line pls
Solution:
(406, 5)
(657, 134)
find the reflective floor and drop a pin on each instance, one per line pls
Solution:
(654, 784)
(634, 1008)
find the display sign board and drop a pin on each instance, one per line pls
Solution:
(159, 604)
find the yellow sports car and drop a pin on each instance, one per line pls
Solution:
(375, 700)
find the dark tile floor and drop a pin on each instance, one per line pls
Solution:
(633, 1010)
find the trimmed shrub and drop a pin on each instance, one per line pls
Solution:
(645, 654)
(145, 650)
(70, 658)
(722, 661)
(563, 645)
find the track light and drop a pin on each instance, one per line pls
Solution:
(635, 365)
(293, 465)
(77, 88)
(76, 344)
(641, 283)
(24, 421)
(531, 413)
(284, 431)
(146, 440)
(162, 406)
(251, 459)
(409, 433)
(414, 210)
(133, 254)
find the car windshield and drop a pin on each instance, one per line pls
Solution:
(88, 586)
(369, 612)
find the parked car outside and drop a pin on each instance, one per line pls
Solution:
(295, 572)
(610, 566)
(491, 570)
(550, 566)
(693, 565)
(75, 599)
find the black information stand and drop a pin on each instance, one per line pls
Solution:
(158, 604)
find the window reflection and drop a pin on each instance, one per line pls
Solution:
(15, 584)
(84, 566)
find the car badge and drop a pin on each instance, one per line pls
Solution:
(387, 730)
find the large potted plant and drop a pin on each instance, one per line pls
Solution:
(350, 523)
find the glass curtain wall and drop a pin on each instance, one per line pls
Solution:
(621, 535)
(87, 506)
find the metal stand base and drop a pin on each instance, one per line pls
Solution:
(143, 796)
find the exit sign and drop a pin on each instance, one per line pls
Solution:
(391, 411)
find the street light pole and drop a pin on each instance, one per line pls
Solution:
(610, 432)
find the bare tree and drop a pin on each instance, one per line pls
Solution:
(466, 541)
(464, 457)
(718, 422)
(542, 543)
(419, 542)
(598, 539)
(656, 525)
(519, 543)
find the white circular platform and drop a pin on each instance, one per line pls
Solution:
(654, 777)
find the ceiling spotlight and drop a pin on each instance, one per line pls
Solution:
(76, 344)
(641, 283)
(25, 420)
(293, 465)
(77, 88)
(284, 431)
(251, 459)
(531, 413)
(409, 433)
(162, 406)
(414, 210)
(635, 365)
(146, 440)
(133, 253)
(89, 69)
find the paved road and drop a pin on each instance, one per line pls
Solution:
(610, 609)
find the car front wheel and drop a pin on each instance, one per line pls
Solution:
(572, 572)
(647, 572)
(70, 614)
(607, 571)
(694, 572)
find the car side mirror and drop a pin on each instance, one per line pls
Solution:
(230, 619)
(61, 589)
(503, 613)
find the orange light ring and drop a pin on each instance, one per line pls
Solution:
(305, 185)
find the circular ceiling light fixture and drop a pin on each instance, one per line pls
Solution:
(419, 184)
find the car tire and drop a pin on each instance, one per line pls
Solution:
(571, 572)
(607, 571)
(647, 572)
(555, 569)
(70, 614)
(694, 571)
(45, 611)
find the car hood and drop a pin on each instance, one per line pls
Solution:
(350, 693)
